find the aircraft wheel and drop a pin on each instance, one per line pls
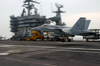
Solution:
(63, 40)
(47, 37)
(69, 40)
(87, 40)
(43, 39)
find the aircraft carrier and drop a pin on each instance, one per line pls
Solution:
(45, 53)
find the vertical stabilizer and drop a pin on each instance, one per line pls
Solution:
(79, 25)
(87, 22)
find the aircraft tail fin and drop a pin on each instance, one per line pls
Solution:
(87, 22)
(80, 24)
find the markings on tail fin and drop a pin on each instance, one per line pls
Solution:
(87, 22)
(79, 25)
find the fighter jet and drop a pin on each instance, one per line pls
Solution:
(79, 28)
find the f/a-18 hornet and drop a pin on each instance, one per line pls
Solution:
(79, 28)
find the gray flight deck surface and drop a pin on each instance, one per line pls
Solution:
(47, 53)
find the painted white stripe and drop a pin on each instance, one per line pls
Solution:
(49, 65)
(26, 46)
(4, 53)
(6, 45)
(79, 51)
(83, 49)
(45, 47)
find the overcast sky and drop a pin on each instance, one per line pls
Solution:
(74, 10)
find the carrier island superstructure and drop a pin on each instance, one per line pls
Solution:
(21, 25)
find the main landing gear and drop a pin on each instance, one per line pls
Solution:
(63, 40)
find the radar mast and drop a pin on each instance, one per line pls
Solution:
(57, 18)
(29, 5)
(58, 11)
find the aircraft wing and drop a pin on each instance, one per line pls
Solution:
(47, 28)
(58, 30)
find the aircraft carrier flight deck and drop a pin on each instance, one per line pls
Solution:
(49, 53)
